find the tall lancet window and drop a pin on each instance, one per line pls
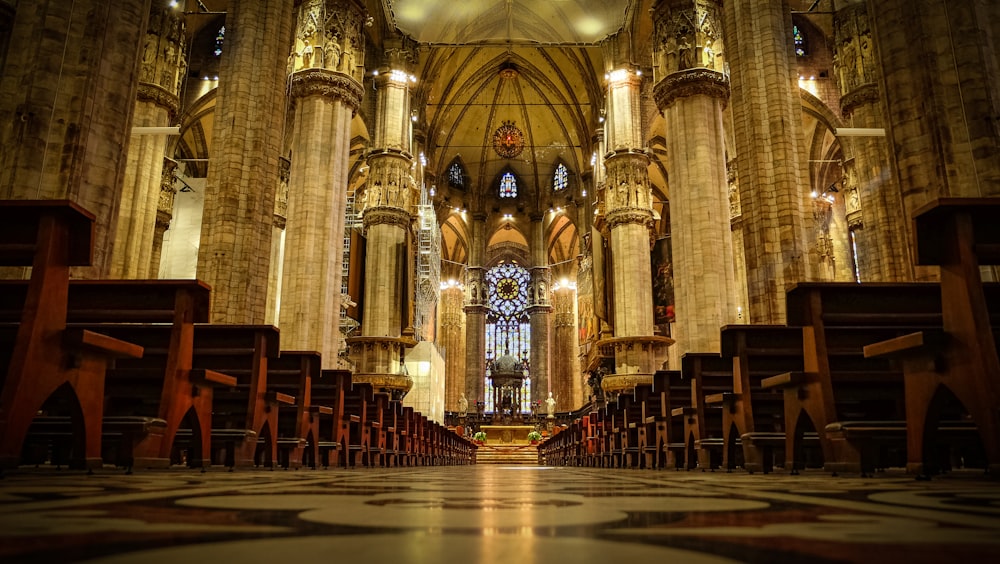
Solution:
(508, 328)
(801, 48)
(508, 185)
(456, 176)
(560, 179)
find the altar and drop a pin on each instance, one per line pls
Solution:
(507, 434)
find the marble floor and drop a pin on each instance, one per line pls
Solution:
(510, 515)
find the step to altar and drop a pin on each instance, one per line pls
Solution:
(507, 454)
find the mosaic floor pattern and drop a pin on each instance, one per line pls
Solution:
(510, 515)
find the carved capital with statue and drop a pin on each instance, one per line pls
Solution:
(327, 84)
(691, 82)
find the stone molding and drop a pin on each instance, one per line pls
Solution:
(623, 216)
(618, 383)
(860, 96)
(160, 96)
(384, 215)
(691, 82)
(384, 381)
(327, 84)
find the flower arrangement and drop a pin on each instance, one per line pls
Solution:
(534, 436)
(480, 436)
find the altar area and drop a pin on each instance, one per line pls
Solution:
(507, 434)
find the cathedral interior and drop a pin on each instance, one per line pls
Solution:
(478, 206)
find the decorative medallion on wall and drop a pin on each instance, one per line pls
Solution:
(508, 140)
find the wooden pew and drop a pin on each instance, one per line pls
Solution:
(707, 374)
(330, 391)
(41, 357)
(838, 384)
(292, 373)
(670, 391)
(245, 417)
(752, 416)
(160, 316)
(961, 361)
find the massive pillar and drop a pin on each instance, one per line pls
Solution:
(235, 251)
(874, 204)
(326, 96)
(475, 312)
(567, 382)
(767, 128)
(539, 312)
(66, 100)
(161, 72)
(692, 95)
(451, 333)
(938, 85)
(628, 218)
(390, 205)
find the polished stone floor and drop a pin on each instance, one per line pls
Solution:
(510, 515)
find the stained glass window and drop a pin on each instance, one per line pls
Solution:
(456, 176)
(508, 185)
(800, 41)
(560, 179)
(508, 330)
(219, 38)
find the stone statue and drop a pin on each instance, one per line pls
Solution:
(463, 406)
(550, 406)
(307, 54)
(685, 55)
(332, 53)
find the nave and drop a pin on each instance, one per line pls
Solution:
(485, 513)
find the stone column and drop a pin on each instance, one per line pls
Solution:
(475, 312)
(938, 85)
(390, 205)
(767, 128)
(539, 312)
(161, 71)
(692, 98)
(235, 252)
(325, 101)
(452, 340)
(871, 195)
(67, 95)
(629, 219)
(278, 246)
(164, 213)
(567, 382)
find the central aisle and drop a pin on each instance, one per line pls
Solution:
(495, 513)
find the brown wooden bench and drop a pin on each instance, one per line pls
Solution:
(752, 417)
(245, 416)
(958, 364)
(334, 437)
(41, 358)
(707, 374)
(838, 382)
(292, 373)
(160, 316)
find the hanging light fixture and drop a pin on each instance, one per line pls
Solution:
(508, 139)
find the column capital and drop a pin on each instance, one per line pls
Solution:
(160, 96)
(860, 96)
(385, 215)
(623, 216)
(691, 82)
(326, 84)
